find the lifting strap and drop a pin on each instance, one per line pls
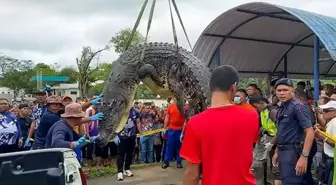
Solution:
(150, 22)
(181, 22)
(148, 28)
(173, 25)
(136, 25)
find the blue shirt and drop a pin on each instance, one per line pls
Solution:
(47, 121)
(10, 130)
(130, 127)
(60, 135)
(37, 114)
(25, 125)
(293, 118)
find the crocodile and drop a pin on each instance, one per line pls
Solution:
(166, 70)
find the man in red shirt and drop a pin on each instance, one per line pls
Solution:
(219, 141)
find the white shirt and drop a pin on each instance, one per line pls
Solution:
(331, 129)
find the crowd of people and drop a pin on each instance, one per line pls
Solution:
(61, 122)
(241, 129)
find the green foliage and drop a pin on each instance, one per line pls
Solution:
(8, 64)
(102, 72)
(261, 83)
(120, 40)
(16, 80)
(84, 70)
(143, 92)
(107, 171)
(46, 69)
(70, 72)
(96, 89)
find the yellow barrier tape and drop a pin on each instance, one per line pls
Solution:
(152, 132)
(329, 136)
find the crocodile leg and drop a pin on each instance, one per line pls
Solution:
(149, 76)
(148, 70)
(174, 81)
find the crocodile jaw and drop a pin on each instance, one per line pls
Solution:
(125, 115)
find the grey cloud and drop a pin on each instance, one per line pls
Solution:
(55, 30)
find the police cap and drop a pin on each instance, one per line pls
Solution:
(284, 81)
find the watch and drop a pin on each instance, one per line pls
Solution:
(305, 154)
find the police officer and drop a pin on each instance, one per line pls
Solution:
(294, 137)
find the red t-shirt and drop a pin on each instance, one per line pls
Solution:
(176, 119)
(221, 139)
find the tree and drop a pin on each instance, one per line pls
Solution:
(143, 92)
(17, 80)
(120, 40)
(96, 89)
(260, 82)
(8, 64)
(69, 72)
(84, 70)
(102, 72)
(46, 69)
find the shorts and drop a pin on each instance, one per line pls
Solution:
(112, 149)
(94, 148)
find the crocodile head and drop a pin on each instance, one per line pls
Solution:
(119, 92)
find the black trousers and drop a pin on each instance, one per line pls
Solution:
(84, 151)
(94, 148)
(157, 150)
(125, 153)
(8, 148)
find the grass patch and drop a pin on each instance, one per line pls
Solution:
(110, 171)
(105, 172)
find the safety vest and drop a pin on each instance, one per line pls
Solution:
(267, 123)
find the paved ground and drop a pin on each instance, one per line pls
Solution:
(150, 175)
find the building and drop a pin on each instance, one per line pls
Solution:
(71, 90)
(6, 93)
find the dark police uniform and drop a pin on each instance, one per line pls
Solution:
(293, 118)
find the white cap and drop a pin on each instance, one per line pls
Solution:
(330, 105)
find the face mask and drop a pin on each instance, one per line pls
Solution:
(236, 100)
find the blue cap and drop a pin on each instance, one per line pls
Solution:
(284, 81)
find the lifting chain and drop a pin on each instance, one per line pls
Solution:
(136, 25)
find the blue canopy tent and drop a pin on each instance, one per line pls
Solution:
(259, 39)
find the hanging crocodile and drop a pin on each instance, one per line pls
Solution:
(165, 70)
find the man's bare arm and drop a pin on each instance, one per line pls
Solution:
(32, 129)
(320, 120)
(310, 136)
(86, 105)
(166, 120)
(192, 174)
(138, 124)
(85, 120)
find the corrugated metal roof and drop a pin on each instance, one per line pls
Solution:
(255, 37)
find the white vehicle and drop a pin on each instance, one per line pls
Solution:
(41, 167)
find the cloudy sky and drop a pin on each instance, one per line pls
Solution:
(54, 31)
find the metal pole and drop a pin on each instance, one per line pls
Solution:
(285, 65)
(37, 79)
(218, 62)
(316, 68)
(41, 78)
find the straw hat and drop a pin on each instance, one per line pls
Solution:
(66, 97)
(73, 110)
(54, 99)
